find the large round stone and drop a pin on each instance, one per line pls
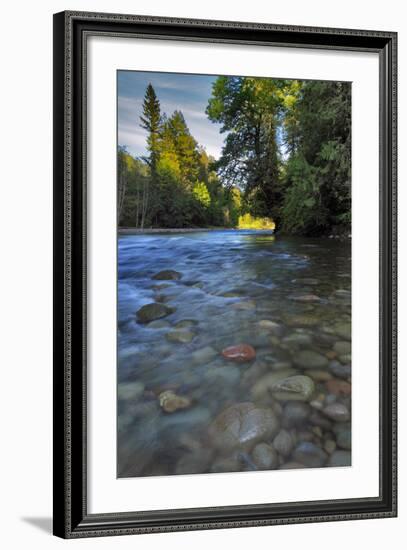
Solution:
(151, 312)
(243, 425)
(263, 387)
(293, 388)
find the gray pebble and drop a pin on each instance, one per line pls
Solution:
(310, 455)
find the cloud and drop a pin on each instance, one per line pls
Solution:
(185, 93)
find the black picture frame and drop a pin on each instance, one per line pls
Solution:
(71, 519)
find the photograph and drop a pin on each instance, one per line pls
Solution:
(233, 274)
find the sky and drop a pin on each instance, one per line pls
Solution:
(183, 92)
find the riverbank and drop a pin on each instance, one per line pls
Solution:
(157, 230)
(135, 231)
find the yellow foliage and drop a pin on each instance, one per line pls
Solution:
(250, 222)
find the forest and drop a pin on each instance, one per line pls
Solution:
(285, 161)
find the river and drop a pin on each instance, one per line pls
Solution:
(283, 400)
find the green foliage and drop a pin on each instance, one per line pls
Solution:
(176, 185)
(250, 111)
(318, 170)
(302, 209)
(286, 160)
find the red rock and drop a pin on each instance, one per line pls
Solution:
(240, 353)
(338, 387)
(331, 354)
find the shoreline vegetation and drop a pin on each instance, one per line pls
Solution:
(285, 164)
(157, 230)
(137, 230)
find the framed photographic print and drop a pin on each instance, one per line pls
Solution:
(224, 274)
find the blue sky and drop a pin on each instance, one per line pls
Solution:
(184, 92)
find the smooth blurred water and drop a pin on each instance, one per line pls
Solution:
(255, 269)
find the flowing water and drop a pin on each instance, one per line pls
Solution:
(281, 296)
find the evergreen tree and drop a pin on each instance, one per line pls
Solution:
(151, 121)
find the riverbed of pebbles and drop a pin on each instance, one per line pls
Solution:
(226, 382)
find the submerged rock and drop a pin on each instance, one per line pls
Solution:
(340, 459)
(306, 281)
(241, 353)
(339, 370)
(319, 375)
(343, 330)
(180, 336)
(307, 298)
(344, 438)
(297, 339)
(151, 312)
(130, 390)
(308, 359)
(317, 419)
(226, 464)
(196, 462)
(227, 376)
(265, 457)
(337, 412)
(291, 465)
(283, 443)
(171, 402)
(263, 388)
(186, 323)
(271, 326)
(245, 305)
(161, 286)
(295, 413)
(241, 426)
(345, 359)
(159, 323)
(203, 355)
(342, 293)
(235, 293)
(194, 418)
(293, 388)
(167, 275)
(301, 320)
(310, 455)
(342, 348)
(338, 387)
(329, 446)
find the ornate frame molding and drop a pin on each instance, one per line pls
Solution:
(71, 30)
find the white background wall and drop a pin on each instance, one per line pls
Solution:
(26, 270)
